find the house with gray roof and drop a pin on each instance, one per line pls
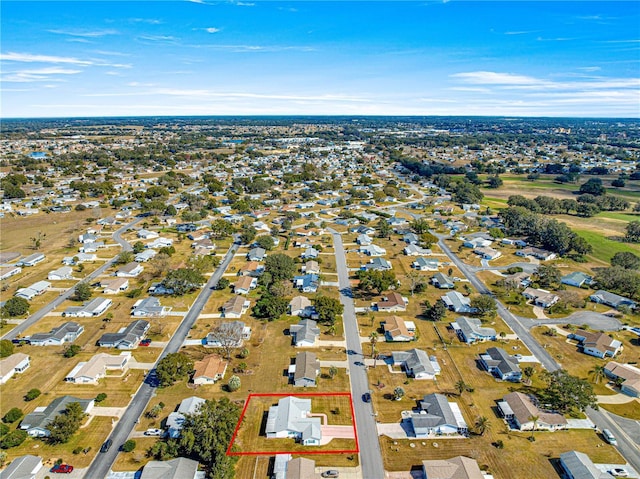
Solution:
(60, 274)
(305, 333)
(438, 417)
(459, 467)
(23, 467)
(36, 423)
(256, 254)
(415, 250)
(378, 264)
(290, 419)
(65, 333)
(457, 302)
(305, 370)
(442, 281)
(233, 333)
(95, 307)
(127, 338)
(612, 299)
(470, 330)
(178, 468)
(577, 279)
(149, 307)
(416, 363)
(578, 465)
(501, 364)
(307, 283)
(175, 420)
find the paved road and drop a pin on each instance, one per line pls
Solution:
(627, 440)
(370, 455)
(37, 316)
(103, 461)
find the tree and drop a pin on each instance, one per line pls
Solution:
(598, 373)
(528, 372)
(482, 424)
(15, 307)
(82, 292)
(436, 312)
(461, 387)
(485, 305)
(13, 439)
(223, 283)
(373, 339)
(4, 429)
(206, 435)
(6, 348)
(328, 309)
(183, 280)
(281, 289)
(138, 247)
(234, 383)
(415, 280)
(65, 425)
(626, 260)
(36, 241)
(173, 367)
(398, 393)
(420, 226)
(534, 420)
(333, 371)
(548, 275)
(228, 336)
(565, 392)
(270, 307)
(244, 353)
(593, 186)
(280, 266)
(466, 193)
(129, 445)
(632, 232)
(12, 415)
(248, 235)
(383, 228)
(125, 257)
(71, 350)
(100, 397)
(376, 280)
(494, 182)
(265, 242)
(32, 394)
(427, 240)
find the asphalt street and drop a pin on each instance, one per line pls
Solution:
(627, 446)
(37, 316)
(102, 463)
(370, 455)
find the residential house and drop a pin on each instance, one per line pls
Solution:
(7, 271)
(204, 243)
(630, 376)
(392, 302)
(577, 279)
(310, 253)
(459, 467)
(15, 364)
(538, 253)
(31, 260)
(209, 370)
(127, 338)
(79, 258)
(95, 307)
(129, 270)
(520, 243)
(301, 306)
(501, 364)
(577, 465)
(310, 267)
(373, 250)
(307, 283)
(147, 307)
(364, 240)
(36, 423)
(478, 242)
(599, 345)
(36, 289)
(416, 363)
(90, 372)
(487, 253)
(299, 468)
(60, 274)
(146, 234)
(396, 329)
(256, 254)
(91, 247)
(411, 238)
(252, 268)
(178, 468)
(438, 417)
(470, 330)
(290, 419)
(305, 370)
(159, 243)
(519, 409)
(540, 297)
(611, 299)
(65, 333)
(22, 467)
(442, 281)
(457, 302)
(231, 333)
(146, 255)
(176, 419)
(244, 284)
(415, 250)
(114, 286)
(379, 264)
(424, 264)
(305, 333)
(235, 307)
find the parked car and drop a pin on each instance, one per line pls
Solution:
(330, 473)
(145, 342)
(366, 397)
(62, 468)
(153, 432)
(106, 446)
(619, 472)
(609, 437)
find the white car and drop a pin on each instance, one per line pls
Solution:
(619, 472)
(153, 432)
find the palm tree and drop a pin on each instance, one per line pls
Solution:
(482, 424)
(534, 419)
(598, 372)
(373, 339)
(461, 387)
(528, 373)
(398, 393)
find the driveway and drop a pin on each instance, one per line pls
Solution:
(592, 319)
(46, 471)
(616, 399)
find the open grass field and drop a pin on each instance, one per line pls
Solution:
(630, 410)
(603, 247)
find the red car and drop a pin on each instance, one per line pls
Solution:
(62, 468)
(145, 342)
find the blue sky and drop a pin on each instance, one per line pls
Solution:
(259, 57)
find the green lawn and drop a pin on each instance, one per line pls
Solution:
(604, 248)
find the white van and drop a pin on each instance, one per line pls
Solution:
(609, 437)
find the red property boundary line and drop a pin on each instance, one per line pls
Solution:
(280, 395)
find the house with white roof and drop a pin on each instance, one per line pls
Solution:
(15, 364)
(90, 372)
(290, 419)
(438, 417)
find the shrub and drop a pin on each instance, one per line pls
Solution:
(32, 394)
(13, 439)
(13, 415)
(71, 350)
(77, 450)
(234, 383)
(100, 397)
(129, 445)
(4, 429)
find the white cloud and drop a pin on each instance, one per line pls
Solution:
(158, 38)
(31, 58)
(496, 78)
(150, 21)
(520, 32)
(212, 30)
(84, 33)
